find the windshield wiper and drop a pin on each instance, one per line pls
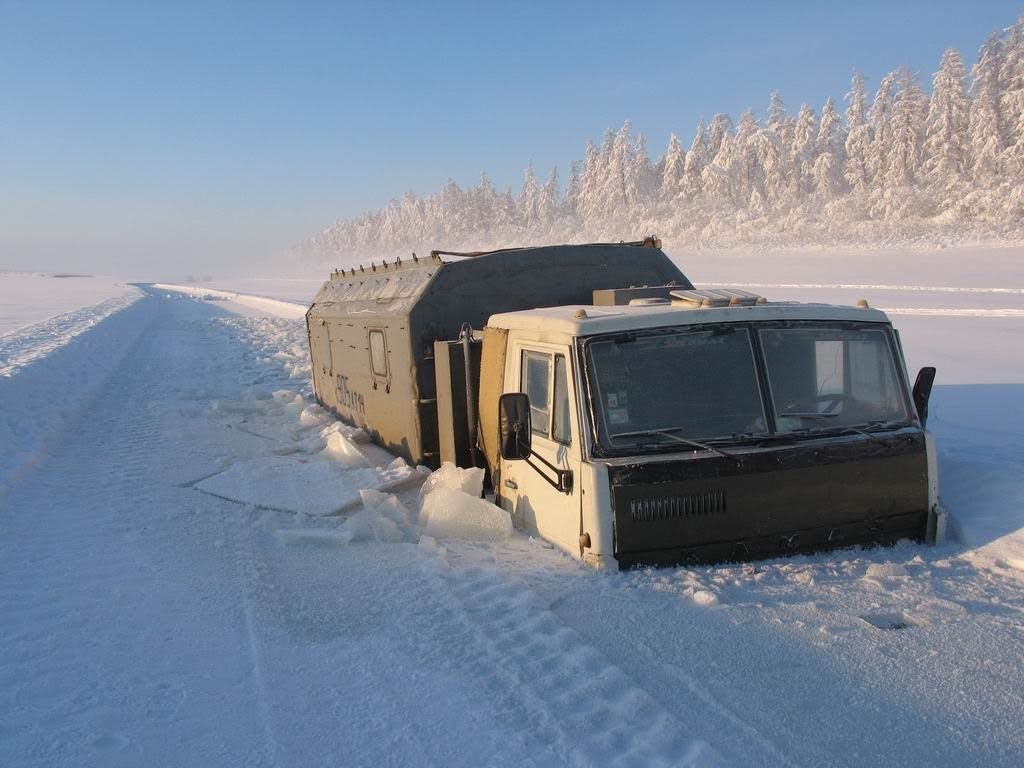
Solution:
(669, 433)
(844, 428)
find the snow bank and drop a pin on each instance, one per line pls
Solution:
(287, 309)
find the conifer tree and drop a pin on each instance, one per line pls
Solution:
(858, 139)
(985, 143)
(907, 131)
(673, 169)
(945, 144)
(831, 142)
(696, 160)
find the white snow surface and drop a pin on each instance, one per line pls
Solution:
(147, 622)
(32, 297)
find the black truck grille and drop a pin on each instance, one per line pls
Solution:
(652, 508)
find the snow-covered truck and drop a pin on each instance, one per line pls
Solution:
(627, 417)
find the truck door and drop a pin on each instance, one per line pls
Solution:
(544, 373)
(320, 354)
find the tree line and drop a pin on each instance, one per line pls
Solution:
(898, 165)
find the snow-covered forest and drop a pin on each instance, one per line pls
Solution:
(901, 165)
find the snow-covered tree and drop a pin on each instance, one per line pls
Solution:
(720, 176)
(719, 127)
(640, 182)
(696, 159)
(570, 206)
(672, 171)
(549, 199)
(945, 144)
(1011, 99)
(880, 119)
(985, 142)
(528, 205)
(776, 114)
(858, 138)
(804, 148)
(831, 142)
(907, 131)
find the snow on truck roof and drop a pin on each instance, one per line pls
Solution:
(589, 320)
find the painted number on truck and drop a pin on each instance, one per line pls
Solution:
(349, 397)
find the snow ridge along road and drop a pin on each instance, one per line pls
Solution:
(148, 623)
(47, 370)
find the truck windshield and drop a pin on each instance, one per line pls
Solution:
(651, 388)
(828, 378)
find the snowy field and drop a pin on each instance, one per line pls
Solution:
(30, 297)
(191, 575)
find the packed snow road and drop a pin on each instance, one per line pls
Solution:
(147, 622)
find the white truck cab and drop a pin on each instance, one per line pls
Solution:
(693, 433)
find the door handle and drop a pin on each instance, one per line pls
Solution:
(511, 484)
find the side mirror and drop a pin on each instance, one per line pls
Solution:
(514, 425)
(923, 391)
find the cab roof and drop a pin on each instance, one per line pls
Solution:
(589, 320)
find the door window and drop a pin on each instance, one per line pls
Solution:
(560, 427)
(536, 383)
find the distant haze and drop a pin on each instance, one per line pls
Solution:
(151, 141)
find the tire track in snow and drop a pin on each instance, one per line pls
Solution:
(585, 707)
(247, 576)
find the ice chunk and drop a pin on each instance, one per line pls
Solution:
(449, 513)
(312, 486)
(386, 504)
(342, 450)
(311, 416)
(371, 525)
(469, 481)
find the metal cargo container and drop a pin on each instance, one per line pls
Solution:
(372, 329)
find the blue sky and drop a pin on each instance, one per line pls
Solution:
(190, 133)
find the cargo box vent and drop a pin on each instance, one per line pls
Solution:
(654, 508)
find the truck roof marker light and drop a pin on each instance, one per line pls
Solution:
(862, 303)
(580, 314)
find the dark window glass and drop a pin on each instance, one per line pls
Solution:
(822, 378)
(694, 384)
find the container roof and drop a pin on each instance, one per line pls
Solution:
(587, 320)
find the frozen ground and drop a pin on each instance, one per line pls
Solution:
(151, 619)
